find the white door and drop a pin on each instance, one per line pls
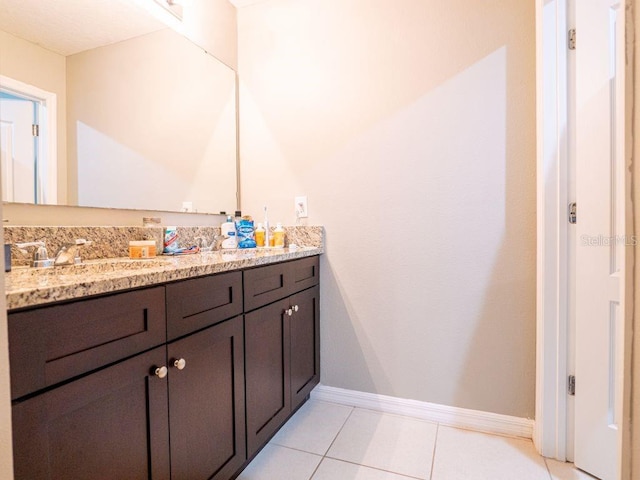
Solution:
(17, 150)
(600, 229)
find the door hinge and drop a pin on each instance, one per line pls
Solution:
(573, 213)
(571, 385)
(35, 130)
(572, 39)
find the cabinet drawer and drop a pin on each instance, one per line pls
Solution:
(52, 344)
(266, 284)
(263, 285)
(201, 302)
(304, 273)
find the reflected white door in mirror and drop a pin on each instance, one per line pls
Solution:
(28, 156)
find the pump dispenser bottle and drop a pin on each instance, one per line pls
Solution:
(278, 236)
(228, 230)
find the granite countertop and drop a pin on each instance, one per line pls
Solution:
(27, 287)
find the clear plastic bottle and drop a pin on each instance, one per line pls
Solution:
(278, 236)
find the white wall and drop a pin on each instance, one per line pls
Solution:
(410, 125)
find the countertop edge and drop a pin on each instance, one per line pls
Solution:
(51, 289)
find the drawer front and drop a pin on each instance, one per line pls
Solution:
(304, 273)
(52, 344)
(266, 284)
(201, 302)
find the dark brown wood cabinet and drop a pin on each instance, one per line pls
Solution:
(168, 382)
(267, 378)
(305, 344)
(282, 343)
(110, 424)
(206, 403)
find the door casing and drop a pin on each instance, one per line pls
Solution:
(553, 241)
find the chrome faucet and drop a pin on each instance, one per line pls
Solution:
(40, 258)
(69, 254)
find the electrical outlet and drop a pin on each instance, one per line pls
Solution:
(301, 206)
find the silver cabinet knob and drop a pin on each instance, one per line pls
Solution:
(180, 363)
(161, 372)
(295, 308)
(288, 311)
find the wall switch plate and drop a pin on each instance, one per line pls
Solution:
(301, 206)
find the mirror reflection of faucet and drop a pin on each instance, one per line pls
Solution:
(205, 247)
(69, 254)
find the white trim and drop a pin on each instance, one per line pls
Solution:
(48, 100)
(550, 435)
(451, 416)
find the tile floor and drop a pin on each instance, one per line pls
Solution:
(326, 441)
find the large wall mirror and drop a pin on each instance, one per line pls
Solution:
(131, 114)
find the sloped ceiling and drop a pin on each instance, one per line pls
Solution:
(71, 26)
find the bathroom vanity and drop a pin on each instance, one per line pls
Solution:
(186, 375)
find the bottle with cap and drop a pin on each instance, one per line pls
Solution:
(278, 236)
(259, 235)
(228, 230)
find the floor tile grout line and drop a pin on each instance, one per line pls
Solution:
(353, 409)
(376, 468)
(332, 442)
(548, 469)
(433, 454)
(360, 464)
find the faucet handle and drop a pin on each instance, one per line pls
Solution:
(40, 255)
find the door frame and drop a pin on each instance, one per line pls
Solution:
(48, 100)
(552, 323)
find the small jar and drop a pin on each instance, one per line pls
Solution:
(142, 249)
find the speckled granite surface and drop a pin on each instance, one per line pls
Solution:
(26, 287)
(113, 242)
(108, 242)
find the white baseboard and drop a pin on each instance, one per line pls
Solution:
(450, 416)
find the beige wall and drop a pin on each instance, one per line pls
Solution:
(24, 214)
(34, 65)
(411, 127)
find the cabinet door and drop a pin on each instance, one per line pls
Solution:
(305, 344)
(267, 372)
(110, 424)
(206, 403)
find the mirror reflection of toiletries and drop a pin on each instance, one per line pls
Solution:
(146, 120)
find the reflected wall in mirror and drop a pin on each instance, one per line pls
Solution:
(145, 122)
